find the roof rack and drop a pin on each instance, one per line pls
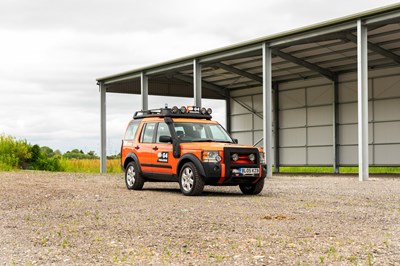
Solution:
(183, 112)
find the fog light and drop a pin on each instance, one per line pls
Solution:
(235, 156)
(252, 157)
(203, 111)
(183, 109)
(209, 111)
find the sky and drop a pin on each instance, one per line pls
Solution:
(52, 51)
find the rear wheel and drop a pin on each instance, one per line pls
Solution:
(133, 179)
(190, 182)
(252, 189)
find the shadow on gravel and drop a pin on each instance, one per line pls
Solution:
(163, 190)
(206, 193)
(221, 194)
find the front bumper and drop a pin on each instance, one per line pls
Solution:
(213, 175)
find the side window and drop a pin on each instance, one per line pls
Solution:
(132, 128)
(162, 130)
(147, 133)
(180, 131)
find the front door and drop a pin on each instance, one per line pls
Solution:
(162, 156)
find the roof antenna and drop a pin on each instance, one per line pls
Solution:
(166, 105)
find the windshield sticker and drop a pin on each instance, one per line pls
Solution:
(163, 157)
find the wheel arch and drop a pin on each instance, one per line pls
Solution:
(193, 159)
(131, 157)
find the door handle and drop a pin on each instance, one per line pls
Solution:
(136, 148)
(155, 148)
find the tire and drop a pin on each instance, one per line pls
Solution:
(133, 179)
(252, 189)
(190, 182)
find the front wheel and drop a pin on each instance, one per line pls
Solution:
(133, 179)
(190, 181)
(252, 189)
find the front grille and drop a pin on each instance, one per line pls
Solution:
(232, 167)
(243, 159)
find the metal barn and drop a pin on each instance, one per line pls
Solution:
(323, 95)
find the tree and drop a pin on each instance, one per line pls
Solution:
(48, 151)
(57, 153)
(35, 153)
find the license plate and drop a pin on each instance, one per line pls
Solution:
(250, 171)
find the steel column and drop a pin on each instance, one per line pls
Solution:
(144, 87)
(267, 106)
(335, 124)
(103, 143)
(228, 111)
(362, 76)
(276, 126)
(197, 82)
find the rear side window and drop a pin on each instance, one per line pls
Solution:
(147, 133)
(132, 128)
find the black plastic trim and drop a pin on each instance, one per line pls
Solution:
(195, 160)
(135, 159)
(159, 177)
(157, 165)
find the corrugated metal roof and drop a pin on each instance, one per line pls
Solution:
(329, 45)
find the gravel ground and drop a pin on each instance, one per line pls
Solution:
(86, 219)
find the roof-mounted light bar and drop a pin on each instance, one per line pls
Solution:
(191, 110)
(183, 111)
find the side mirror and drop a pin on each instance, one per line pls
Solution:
(165, 139)
(236, 141)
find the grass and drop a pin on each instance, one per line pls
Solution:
(305, 169)
(90, 166)
(78, 166)
(342, 170)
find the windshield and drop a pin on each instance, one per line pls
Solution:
(196, 132)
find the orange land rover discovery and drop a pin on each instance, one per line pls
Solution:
(184, 145)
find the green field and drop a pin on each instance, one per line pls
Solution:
(342, 170)
(90, 166)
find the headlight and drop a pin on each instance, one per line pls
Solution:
(262, 158)
(211, 156)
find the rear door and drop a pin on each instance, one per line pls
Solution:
(129, 138)
(145, 147)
